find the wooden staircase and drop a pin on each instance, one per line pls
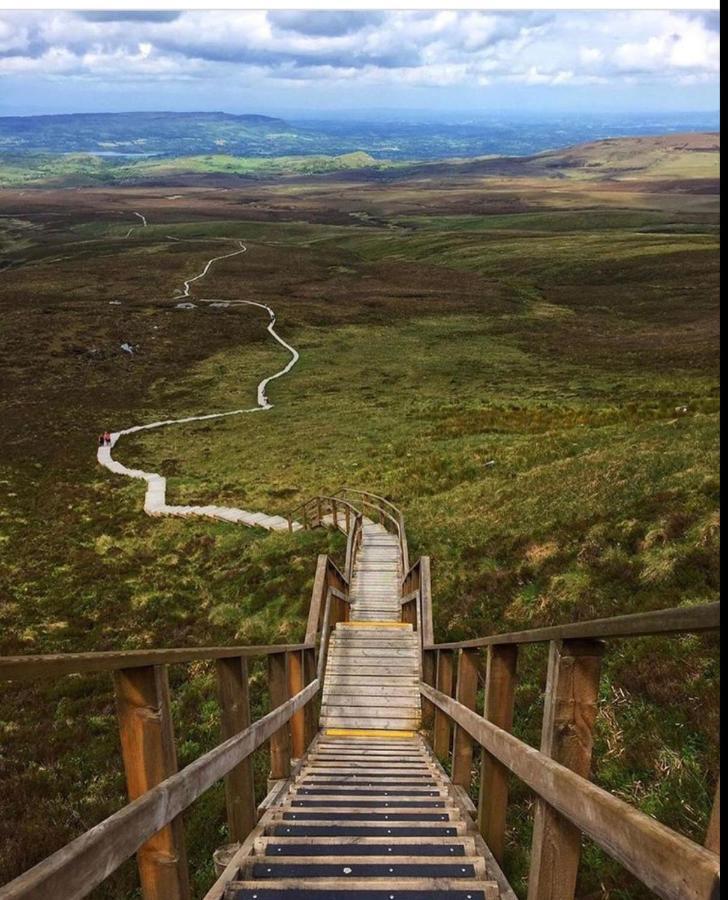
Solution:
(359, 805)
(372, 677)
(372, 669)
(366, 817)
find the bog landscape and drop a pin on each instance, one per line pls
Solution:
(519, 351)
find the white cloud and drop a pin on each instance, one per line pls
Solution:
(445, 48)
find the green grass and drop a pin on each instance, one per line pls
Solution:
(516, 395)
(80, 168)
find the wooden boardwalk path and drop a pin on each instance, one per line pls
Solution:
(370, 812)
(372, 669)
(364, 715)
(370, 818)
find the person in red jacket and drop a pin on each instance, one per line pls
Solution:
(107, 438)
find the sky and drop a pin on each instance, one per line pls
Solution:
(310, 63)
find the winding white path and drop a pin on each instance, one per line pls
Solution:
(155, 500)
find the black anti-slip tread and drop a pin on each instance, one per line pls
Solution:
(364, 792)
(370, 804)
(419, 849)
(332, 893)
(292, 830)
(324, 869)
(366, 817)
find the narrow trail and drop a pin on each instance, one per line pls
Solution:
(155, 500)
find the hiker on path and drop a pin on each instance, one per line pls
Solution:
(107, 438)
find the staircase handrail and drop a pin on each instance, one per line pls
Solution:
(568, 804)
(151, 823)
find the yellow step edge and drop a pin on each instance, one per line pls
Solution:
(374, 624)
(367, 732)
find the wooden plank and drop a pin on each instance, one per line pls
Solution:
(426, 601)
(387, 681)
(467, 688)
(397, 723)
(310, 710)
(570, 710)
(318, 595)
(356, 654)
(500, 686)
(280, 743)
(232, 687)
(76, 869)
(370, 687)
(371, 711)
(295, 684)
(366, 886)
(54, 665)
(149, 755)
(678, 620)
(672, 866)
(409, 699)
(442, 729)
(712, 837)
(403, 672)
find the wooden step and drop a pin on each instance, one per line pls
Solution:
(362, 802)
(331, 828)
(268, 867)
(447, 847)
(367, 889)
(355, 814)
(338, 792)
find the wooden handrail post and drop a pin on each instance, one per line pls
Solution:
(570, 709)
(425, 585)
(500, 686)
(712, 837)
(347, 516)
(232, 689)
(295, 685)
(335, 513)
(319, 511)
(429, 665)
(466, 692)
(148, 751)
(280, 744)
(442, 731)
(310, 710)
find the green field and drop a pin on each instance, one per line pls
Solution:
(537, 390)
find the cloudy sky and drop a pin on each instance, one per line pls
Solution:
(276, 62)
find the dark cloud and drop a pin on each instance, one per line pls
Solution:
(120, 15)
(385, 58)
(324, 24)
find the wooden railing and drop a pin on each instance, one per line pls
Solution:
(346, 503)
(151, 824)
(568, 804)
(381, 510)
(416, 600)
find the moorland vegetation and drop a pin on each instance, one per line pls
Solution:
(521, 353)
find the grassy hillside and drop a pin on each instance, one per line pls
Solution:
(530, 372)
(83, 169)
(683, 157)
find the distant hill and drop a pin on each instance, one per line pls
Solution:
(143, 133)
(660, 156)
(683, 162)
(679, 157)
